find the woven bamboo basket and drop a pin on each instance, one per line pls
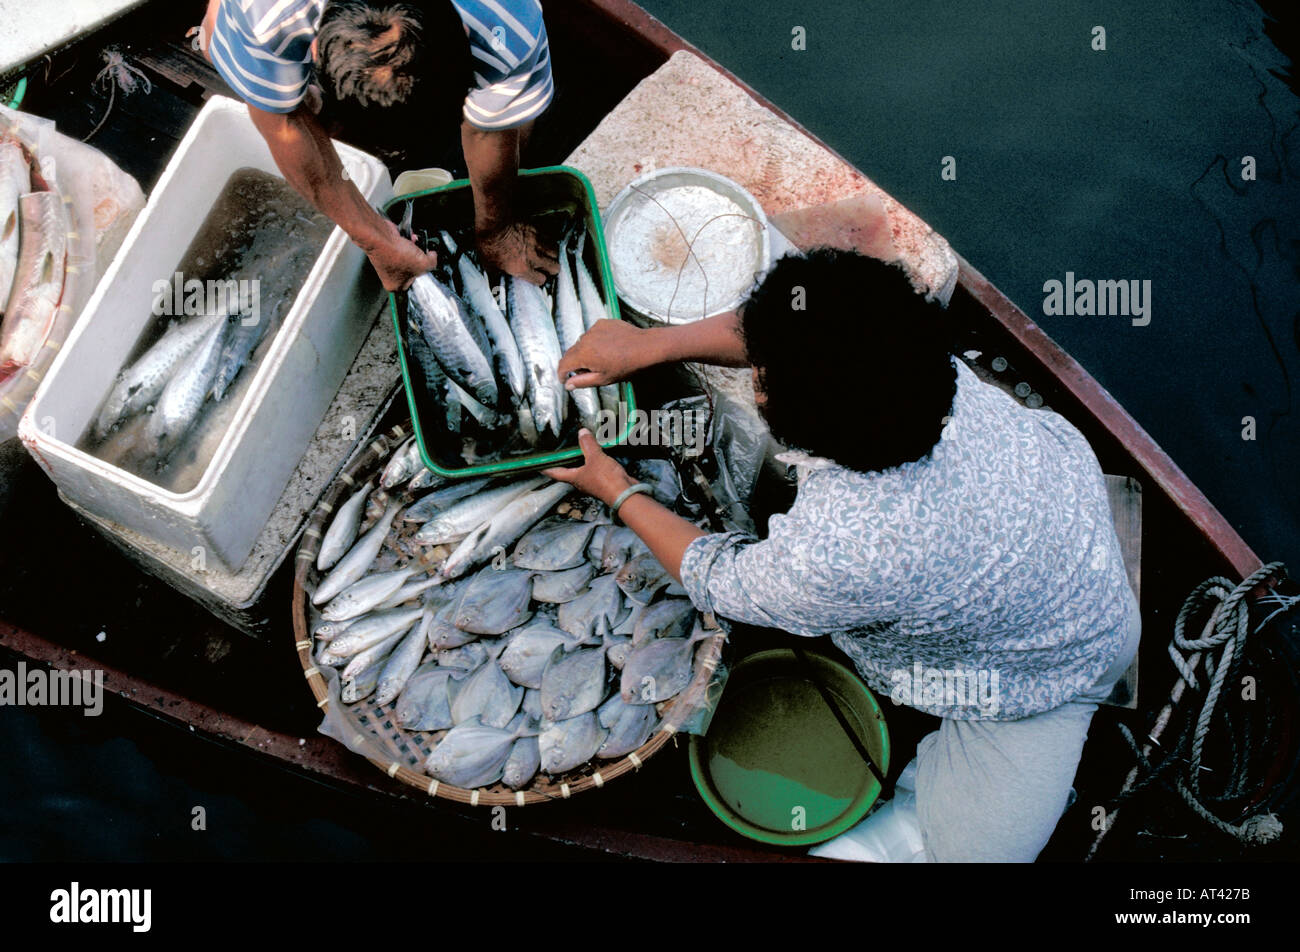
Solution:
(400, 753)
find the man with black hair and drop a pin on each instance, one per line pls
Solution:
(956, 545)
(417, 64)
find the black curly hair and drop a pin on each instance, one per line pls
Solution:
(410, 56)
(854, 365)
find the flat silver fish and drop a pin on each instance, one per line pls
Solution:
(554, 545)
(495, 601)
(488, 695)
(617, 649)
(570, 743)
(573, 682)
(465, 658)
(532, 704)
(629, 726)
(621, 544)
(425, 702)
(597, 543)
(523, 763)
(473, 754)
(641, 578)
(559, 587)
(600, 608)
(659, 669)
(528, 653)
(670, 618)
(342, 531)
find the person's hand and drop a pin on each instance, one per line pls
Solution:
(611, 351)
(399, 260)
(599, 475)
(517, 249)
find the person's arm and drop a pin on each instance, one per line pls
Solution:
(667, 534)
(614, 350)
(514, 247)
(776, 583)
(307, 159)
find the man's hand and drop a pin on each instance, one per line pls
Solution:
(611, 351)
(600, 475)
(399, 260)
(517, 249)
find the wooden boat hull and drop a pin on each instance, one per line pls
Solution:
(195, 673)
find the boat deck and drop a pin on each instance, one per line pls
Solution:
(65, 586)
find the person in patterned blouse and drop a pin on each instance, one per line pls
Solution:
(956, 545)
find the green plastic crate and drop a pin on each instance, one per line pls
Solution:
(451, 206)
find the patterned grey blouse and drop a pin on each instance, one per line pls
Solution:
(984, 581)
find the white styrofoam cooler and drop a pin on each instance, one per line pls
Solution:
(286, 400)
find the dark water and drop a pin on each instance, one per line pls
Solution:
(1117, 164)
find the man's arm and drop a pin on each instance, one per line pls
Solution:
(614, 350)
(307, 159)
(514, 247)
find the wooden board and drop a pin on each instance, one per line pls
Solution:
(1125, 497)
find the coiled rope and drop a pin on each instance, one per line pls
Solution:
(1219, 652)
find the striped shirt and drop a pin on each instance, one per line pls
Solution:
(262, 49)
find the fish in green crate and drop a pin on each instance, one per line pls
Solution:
(534, 331)
(456, 337)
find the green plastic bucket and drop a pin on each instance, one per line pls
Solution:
(776, 766)
(451, 206)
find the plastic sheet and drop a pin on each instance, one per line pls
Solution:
(101, 202)
(740, 442)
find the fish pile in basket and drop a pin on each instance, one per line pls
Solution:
(490, 354)
(521, 629)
